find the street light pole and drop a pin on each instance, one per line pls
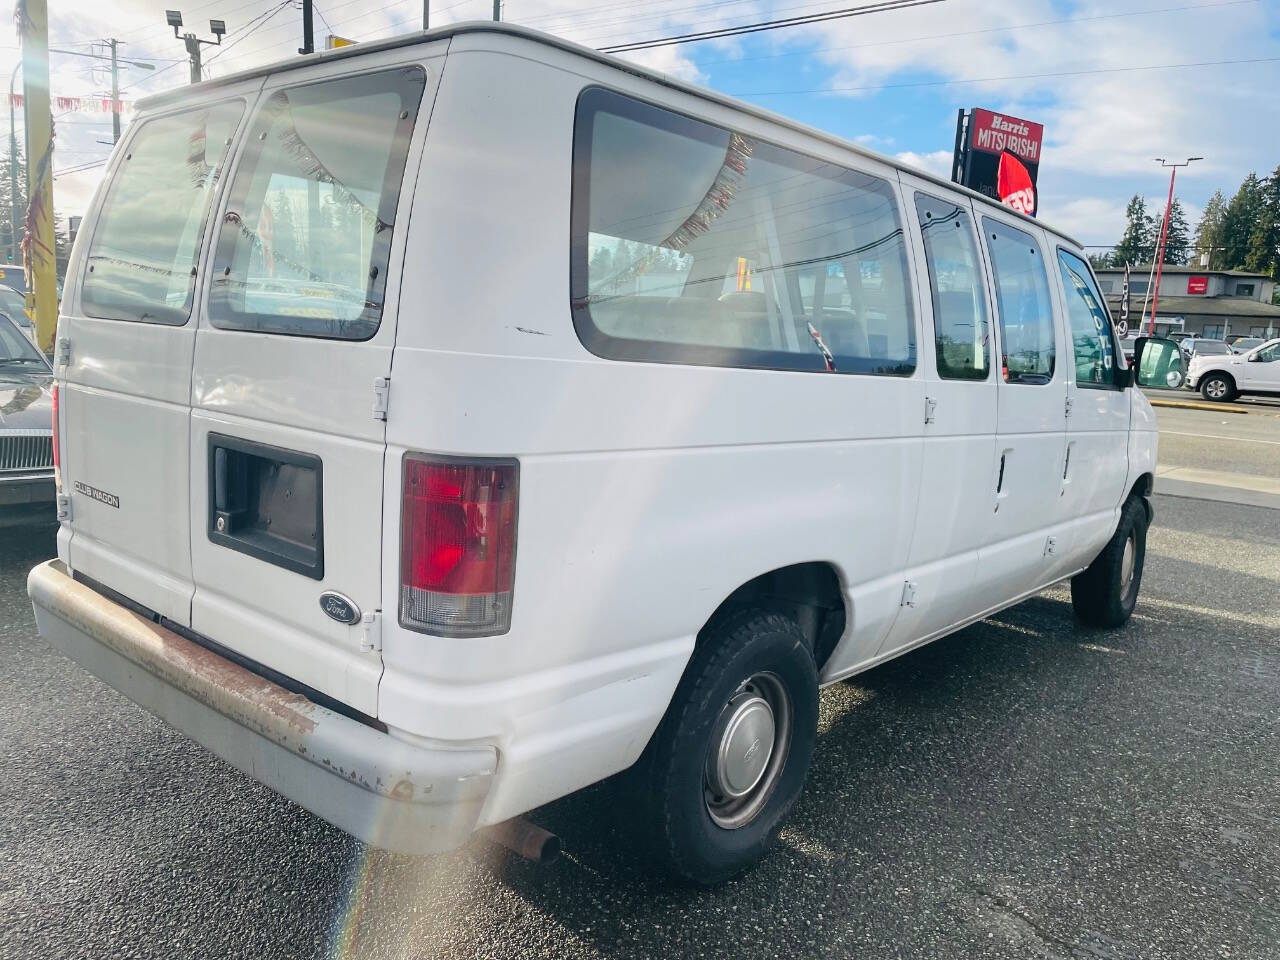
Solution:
(193, 43)
(1164, 234)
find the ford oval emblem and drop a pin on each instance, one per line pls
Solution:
(340, 608)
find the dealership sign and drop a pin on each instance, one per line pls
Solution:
(1197, 284)
(999, 155)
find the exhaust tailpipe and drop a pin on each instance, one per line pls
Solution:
(526, 839)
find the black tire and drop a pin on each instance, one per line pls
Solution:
(1215, 382)
(673, 779)
(1099, 595)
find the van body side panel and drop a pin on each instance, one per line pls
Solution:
(648, 491)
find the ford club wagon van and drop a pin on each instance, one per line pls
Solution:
(448, 423)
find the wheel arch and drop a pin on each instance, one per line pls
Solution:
(812, 593)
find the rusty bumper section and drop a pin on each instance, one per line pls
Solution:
(387, 792)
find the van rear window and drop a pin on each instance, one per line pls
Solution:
(700, 245)
(306, 238)
(143, 254)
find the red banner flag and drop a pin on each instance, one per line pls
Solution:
(1013, 183)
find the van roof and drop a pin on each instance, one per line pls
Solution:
(179, 94)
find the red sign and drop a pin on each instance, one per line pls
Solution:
(1013, 183)
(1197, 284)
(998, 132)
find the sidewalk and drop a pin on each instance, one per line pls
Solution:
(1200, 484)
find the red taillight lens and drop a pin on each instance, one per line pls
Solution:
(57, 453)
(457, 545)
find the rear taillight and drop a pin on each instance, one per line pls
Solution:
(57, 454)
(457, 545)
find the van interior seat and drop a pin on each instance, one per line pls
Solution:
(689, 320)
(751, 308)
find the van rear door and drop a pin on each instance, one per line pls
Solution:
(128, 326)
(287, 449)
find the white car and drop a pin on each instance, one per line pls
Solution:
(487, 438)
(1255, 372)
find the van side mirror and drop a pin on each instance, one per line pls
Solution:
(1158, 364)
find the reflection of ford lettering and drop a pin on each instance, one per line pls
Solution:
(93, 493)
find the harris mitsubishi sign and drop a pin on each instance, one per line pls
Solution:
(999, 155)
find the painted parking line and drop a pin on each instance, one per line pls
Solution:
(1220, 436)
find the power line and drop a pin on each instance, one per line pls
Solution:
(885, 6)
(810, 51)
(1021, 76)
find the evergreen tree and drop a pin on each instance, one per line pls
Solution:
(1138, 242)
(1101, 261)
(1209, 231)
(1177, 243)
(1264, 240)
(7, 174)
(1242, 213)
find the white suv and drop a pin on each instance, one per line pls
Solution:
(1255, 372)
(433, 448)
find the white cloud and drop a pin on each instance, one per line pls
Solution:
(937, 162)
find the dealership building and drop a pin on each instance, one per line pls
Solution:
(1209, 303)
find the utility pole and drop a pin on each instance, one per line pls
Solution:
(115, 92)
(193, 43)
(497, 10)
(426, 14)
(308, 31)
(1164, 234)
(38, 243)
(13, 173)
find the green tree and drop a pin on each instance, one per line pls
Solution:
(1264, 240)
(1138, 242)
(1101, 261)
(1242, 214)
(1209, 230)
(1177, 243)
(7, 174)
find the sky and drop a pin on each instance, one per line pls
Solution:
(1115, 83)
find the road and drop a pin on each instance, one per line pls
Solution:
(1023, 789)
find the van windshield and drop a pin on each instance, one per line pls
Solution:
(143, 254)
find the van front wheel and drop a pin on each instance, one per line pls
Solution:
(729, 759)
(1105, 594)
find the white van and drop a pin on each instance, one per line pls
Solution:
(448, 423)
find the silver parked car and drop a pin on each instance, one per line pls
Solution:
(26, 428)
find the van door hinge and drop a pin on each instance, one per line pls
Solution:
(62, 353)
(64, 507)
(1067, 411)
(909, 594)
(930, 409)
(1051, 546)
(371, 637)
(381, 397)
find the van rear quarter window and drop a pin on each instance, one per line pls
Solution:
(695, 244)
(304, 244)
(142, 257)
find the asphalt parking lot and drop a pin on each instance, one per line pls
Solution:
(1022, 789)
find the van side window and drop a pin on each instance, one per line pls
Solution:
(1091, 340)
(145, 245)
(304, 244)
(694, 244)
(1022, 297)
(961, 327)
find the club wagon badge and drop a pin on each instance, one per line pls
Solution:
(340, 608)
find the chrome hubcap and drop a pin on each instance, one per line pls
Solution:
(1217, 389)
(1126, 565)
(748, 750)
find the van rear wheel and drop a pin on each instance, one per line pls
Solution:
(729, 759)
(1105, 594)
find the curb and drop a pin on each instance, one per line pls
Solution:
(1194, 405)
